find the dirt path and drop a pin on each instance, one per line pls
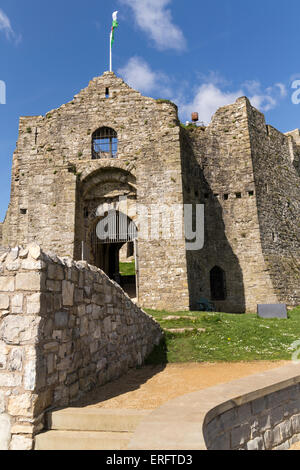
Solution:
(151, 386)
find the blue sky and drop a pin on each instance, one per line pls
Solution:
(202, 55)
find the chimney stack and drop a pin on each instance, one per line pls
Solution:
(195, 117)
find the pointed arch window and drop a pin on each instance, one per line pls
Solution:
(218, 284)
(104, 143)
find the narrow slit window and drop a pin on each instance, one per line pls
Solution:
(226, 197)
(238, 195)
(106, 92)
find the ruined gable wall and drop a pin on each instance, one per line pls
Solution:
(232, 236)
(54, 150)
(43, 190)
(278, 200)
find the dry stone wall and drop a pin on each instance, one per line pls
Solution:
(65, 328)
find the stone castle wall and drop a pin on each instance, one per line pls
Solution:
(294, 145)
(65, 328)
(222, 160)
(57, 190)
(278, 200)
(53, 161)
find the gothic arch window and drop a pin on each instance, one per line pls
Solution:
(104, 143)
(218, 284)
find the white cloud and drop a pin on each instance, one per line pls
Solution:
(253, 87)
(213, 77)
(265, 99)
(207, 100)
(6, 28)
(5, 25)
(282, 88)
(209, 97)
(139, 75)
(263, 102)
(155, 19)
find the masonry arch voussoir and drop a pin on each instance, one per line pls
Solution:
(87, 170)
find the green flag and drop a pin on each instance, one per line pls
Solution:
(114, 27)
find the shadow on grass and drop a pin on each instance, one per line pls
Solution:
(159, 355)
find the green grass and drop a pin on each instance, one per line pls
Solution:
(127, 269)
(228, 338)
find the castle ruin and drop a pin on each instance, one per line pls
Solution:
(112, 148)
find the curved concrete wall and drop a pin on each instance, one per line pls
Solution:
(259, 412)
(271, 422)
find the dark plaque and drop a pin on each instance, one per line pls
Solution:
(272, 311)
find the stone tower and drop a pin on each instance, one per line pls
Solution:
(113, 149)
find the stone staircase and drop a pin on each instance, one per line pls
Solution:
(89, 429)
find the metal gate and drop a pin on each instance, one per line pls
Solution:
(116, 227)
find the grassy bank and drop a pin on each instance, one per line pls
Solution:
(227, 338)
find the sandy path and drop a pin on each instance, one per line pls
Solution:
(151, 386)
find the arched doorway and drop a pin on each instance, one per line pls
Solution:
(105, 194)
(110, 233)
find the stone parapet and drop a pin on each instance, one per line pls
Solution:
(258, 412)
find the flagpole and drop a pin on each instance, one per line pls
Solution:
(110, 52)
(112, 37)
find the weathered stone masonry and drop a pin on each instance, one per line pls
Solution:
(244, 172)
(271, 422)
(52, 164)
(65, 328)
(248, 181)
